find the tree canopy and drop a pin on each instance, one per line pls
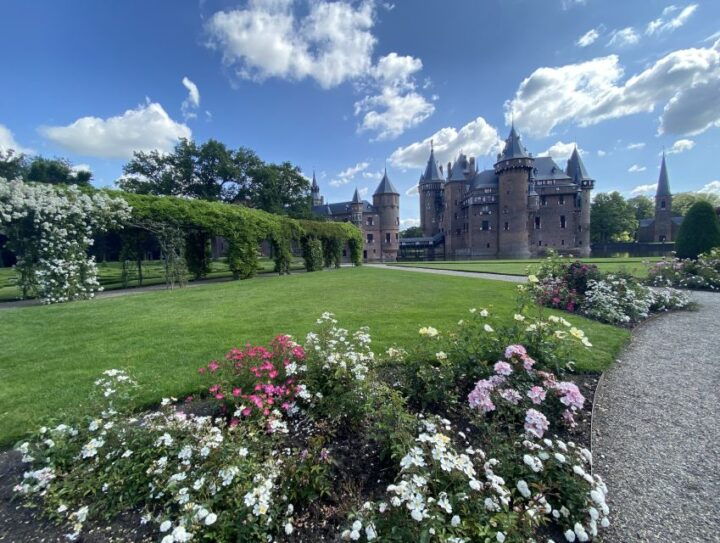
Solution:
(412, 232)
(699, 232)
(643, 207)
(211, 171)
(55, 171)
(612, 218)
(682, 201)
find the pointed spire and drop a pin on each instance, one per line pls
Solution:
(356, 197)
(315, 186)
(575, 167)
(385, 186)
(513, 146)
(432, 172)
(663, 187)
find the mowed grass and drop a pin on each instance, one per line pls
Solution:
(110, 273)
(52, 354)
(634, 265)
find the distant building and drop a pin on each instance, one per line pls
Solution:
(524, 206)
(379, 221)
(664, 226)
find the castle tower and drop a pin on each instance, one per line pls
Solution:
(317, 200)
(387, 201)
(577, 172)
(513, 169)
(663, 206)
(453, 192)
(356, 210)
(431, 197)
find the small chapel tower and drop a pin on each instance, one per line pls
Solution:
(663, 206)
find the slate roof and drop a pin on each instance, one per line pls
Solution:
(663, 188)
(576, 169)
(546, 168)
(457, 172)
(342, 208)
(644, 223)
(356, 197)
(432, 172)
(385, 186)
(485, 179)
(513, 147)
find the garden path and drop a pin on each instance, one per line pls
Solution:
(476, 275)
(656, 435)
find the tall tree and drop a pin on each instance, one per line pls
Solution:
(38, 169)
(611, 218)
(280, 188)
(643, 207)
(683, 201)
(699, 231)
(412, 232)
(12, 165)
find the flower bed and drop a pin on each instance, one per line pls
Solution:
(466, 435)
(614, 298)
(700, 274)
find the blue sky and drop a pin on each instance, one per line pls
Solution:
(346, 87)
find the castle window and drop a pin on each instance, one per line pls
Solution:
(562, 221)
(487, 245)
(369, 238)
(561, 200)
(543, 200)
(486, 225)
(507, 226)
(369, 221)
(457, 232)
(537, 223)
(539, 243)
(562, 242)
(662, 204)
(387, 237)
(396, 236)
(397, 220)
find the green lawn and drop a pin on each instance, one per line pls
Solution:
(51, 354)
(634, 265)
(110, 273)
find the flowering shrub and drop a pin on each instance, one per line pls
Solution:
(50, 229)
(613, 298)
(700, 274)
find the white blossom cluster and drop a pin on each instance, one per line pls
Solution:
(51, 229)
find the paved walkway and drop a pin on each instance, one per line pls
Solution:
(476, 275)
(656, 430)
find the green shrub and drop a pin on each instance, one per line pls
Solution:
(699, 232)
(313, 254)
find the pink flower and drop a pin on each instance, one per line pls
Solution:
(535, 423)
(236, 392)
(511, 395)
(219, 396)
(502, 368)
(234, 422)
(515, 350)
(570, 395)
(569, 418)
(213, 366)
(528, 363)
(479, 398)
(246, 412)
(536, 394)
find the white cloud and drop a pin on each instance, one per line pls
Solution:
(589, 37)
(475, 138)
(713, 187)
(644, 189)
(560, 150)
(635, 168)
(363, 191)
(348, 174)
(192, 101)
(392, 112)
(685, 82)
(412, 191)
(567, 4)
(373, 175)
(601, 153)
(623, 37)
(667, 22)
(7, 141)
(713, 37)
(145, 128)
(680, 146)
(81, 168)
(407, 223)
(633, 146)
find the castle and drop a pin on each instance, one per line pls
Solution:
(379, 221)
(664, 227)
(522, 207)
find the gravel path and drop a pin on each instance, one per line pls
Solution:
(656, 430)
(476, 275)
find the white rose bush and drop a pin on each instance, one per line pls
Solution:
(461, 435)
(50, 228)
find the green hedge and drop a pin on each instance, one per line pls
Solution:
(244, 228)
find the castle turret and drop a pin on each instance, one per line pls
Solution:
(431, 196)
(577, 172)
(513, 168)
(387, 201)
(663, 206)
(317, 200)
(356, 209)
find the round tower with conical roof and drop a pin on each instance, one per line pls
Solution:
(513, 168)
(577, 172)
(430, 188)
(386, 200)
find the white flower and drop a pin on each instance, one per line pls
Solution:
(488, 328)
(500, 537)
(570, 535)
(165, 526)
(484, 313)
(180, 534)
(523, 488)
(210, 519)
(455, 521)
(428, 331)
(519, 317)
(370, 532)
(533, 278)
(441, 356)
(288, 528)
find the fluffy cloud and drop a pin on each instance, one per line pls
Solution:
(635, 168)
(601, 153)
(623, 37)
(633, 146)
(685, 82)
(7, 141)
(348, 174)
(680, 146)
(192, 101)
(145, 128)
(668, 21)
(363, 192)
(407, 223)
(475, 138)
(391, 112)
(713, 187)
(412, 191)
(644, 189)
(588, 38)
(560, 150)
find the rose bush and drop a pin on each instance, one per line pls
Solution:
(702, 273)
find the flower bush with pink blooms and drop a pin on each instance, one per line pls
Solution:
(700, 274)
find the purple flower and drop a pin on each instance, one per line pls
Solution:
(535, 423)
(536, 394)
(570, 395)
(528, 363)
(515, 350)
(502, 368)
(479, 398)
(511, 395)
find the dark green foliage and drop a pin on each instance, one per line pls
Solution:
(412, 232)
(313, 254)
(612, 218)
(643, 207)
(12, 165)
(699, 232)
(332, 252)
(38, 169)
(683, 201)
(242, 258)
(198, 253)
